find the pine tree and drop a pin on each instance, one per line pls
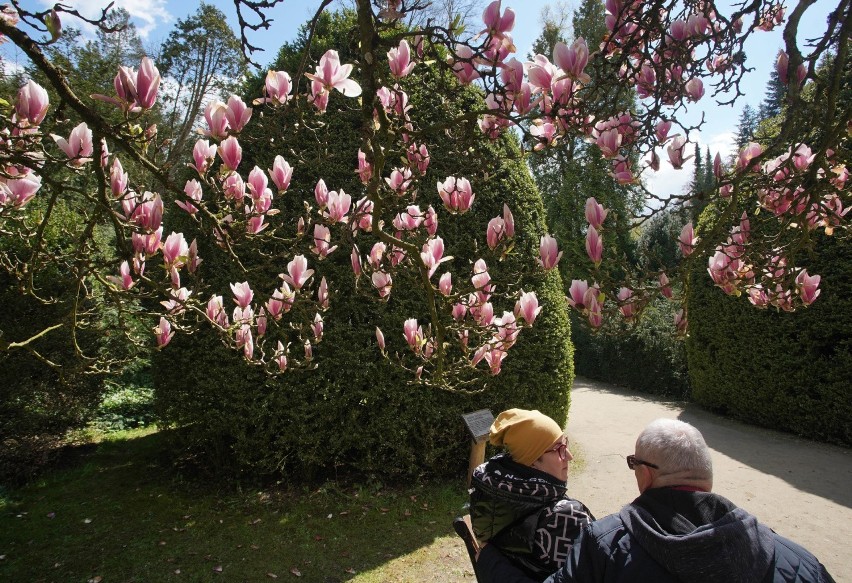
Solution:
(775, 95)
(746, 126)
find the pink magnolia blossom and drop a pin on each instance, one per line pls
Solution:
(383, 282)
(332, 75)
(675, 152)
(717, 166)
(609, 141)
(662, 130)
(243, 294)
(577, 293)
(216, 311)
(78, 147)
(595, 212)
(309, 351)
(409, 220)
(192, 189)
(665, 288)
(527, 307)
(203, 154)
(545, 132)
(572, 60)
(231, 152)
(118, 179)
(321, 193)
(233, 187)
(548, 251)
(215, 114)
(261, 323)
(245, 340)
(399, 59)
(627, 305)
(322, 241)
(175, 250)
(399, 180)
(124, 280)
(376, 254)
(18, 191)
(595, 309)
(459, 311)
(484, 314)
(380, 339)
(432, 254)
(694, 89)
(355, 259)
(495, 23)
(481, 281)
(430, 221)
(317, 328)
(365, 169)
(687, 240)
(193, 260)
(319, 96)
(808, 287)
(621, 171)
(445, 284)
(146, 213)
(31, 104)
(594, 245)
(680, 322)
(176, 304)
(163, 332)
(747, 154)
(277, 88)
(508, 221)
(457, 195)
(541, 72)
(462, 66)
(322, 294)
(418, 157)
(237, 113)
(257, 183)
(297, 272)
(147, 84)
(281, 173)
(280, 357)
(782, 65)
(496, 232)
(338, 205)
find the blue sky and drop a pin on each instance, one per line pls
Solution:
(155, 18)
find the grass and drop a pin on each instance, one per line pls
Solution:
(119, 512)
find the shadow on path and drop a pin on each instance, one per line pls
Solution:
(817, 468)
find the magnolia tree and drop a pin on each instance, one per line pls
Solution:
(672, 53)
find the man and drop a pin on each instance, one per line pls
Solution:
(676, 530)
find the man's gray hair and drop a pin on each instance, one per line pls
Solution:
(677, 447)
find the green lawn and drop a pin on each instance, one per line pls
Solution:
(119, 513)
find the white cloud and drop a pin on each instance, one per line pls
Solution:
(147, 15)
(668, 181)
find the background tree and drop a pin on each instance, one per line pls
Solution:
(202, 58)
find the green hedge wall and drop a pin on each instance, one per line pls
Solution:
(358, 412)
(788, 371)
(647, 357)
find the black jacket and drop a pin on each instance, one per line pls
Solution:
(525, 513)
(668, 536)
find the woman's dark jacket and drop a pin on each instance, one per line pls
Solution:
(526, 514)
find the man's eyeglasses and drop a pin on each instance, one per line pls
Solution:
(561, 450)
(633, 461)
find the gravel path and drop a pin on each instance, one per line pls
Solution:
(802, 489)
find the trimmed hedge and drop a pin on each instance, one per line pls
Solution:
(788, 371)
(358, 412)
(647, 357)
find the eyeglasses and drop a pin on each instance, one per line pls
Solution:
(561, 450)
(633, 461)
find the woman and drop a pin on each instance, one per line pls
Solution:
(517, 499)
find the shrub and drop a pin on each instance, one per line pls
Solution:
(356, 411)
(647, 357)
(787, 371)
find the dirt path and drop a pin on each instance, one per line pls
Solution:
(802, 489)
